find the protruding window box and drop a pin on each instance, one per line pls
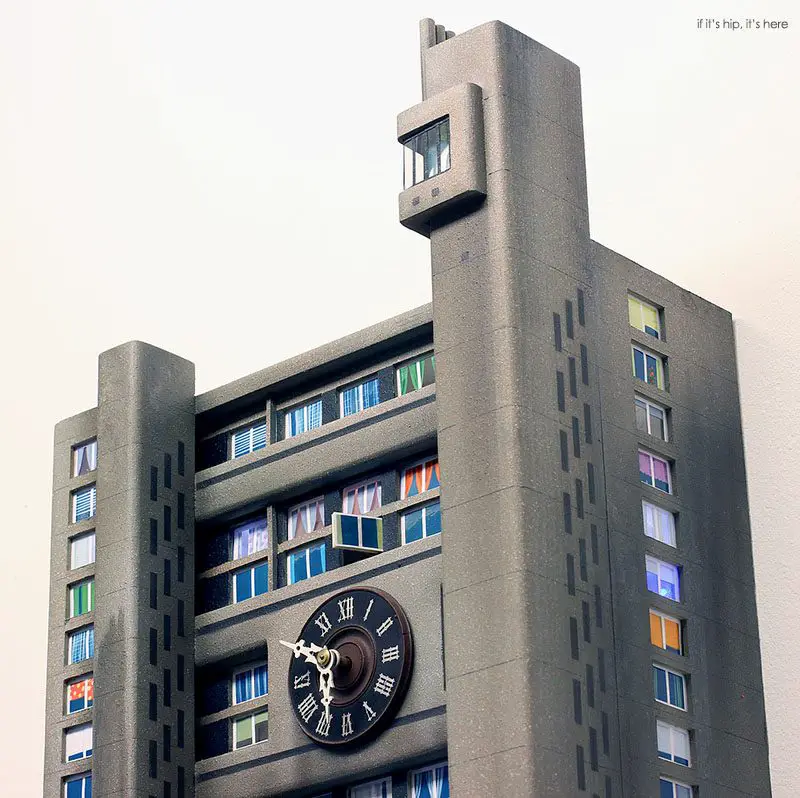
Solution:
(357, 532)
(444, 164)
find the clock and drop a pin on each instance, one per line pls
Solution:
(350, 667)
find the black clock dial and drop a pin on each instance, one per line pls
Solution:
(371, 636)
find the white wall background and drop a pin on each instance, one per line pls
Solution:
(153, 154)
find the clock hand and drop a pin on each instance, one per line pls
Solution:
(301, 649)
(326, 678)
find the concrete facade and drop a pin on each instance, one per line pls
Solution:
(534, 671)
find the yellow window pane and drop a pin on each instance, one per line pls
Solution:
(673, 631)
(655, 631)
(650, 317)
(635, 313)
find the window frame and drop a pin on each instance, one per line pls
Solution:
(250, 429)
(663, 619)
(425, 534)
(667, 673)
(432, 767)
(355, 487)
(92, 490)
(671, 538)
(649, 405)
(251, 669)
(384, 781)
(416, 362)
(414, 159)
(648, 559)
(291, 534)
(306, 552)
(426, 461)
(680, 732)
(252, 570)
(305, 407)
(675, 784)
(80, 537)
(359, 388)
(240, 526)
(84, 778)
(91, 443)
(86, 679)
(642, 303)
(86, 753)
(660, 382)
(72, 594)
(252, 717)
(653, 457)
(74, 633)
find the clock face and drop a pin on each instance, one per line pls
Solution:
(370, 632)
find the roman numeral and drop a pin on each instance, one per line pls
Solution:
(302, 681)
(347, 725)
(324, 725)
(371, 714)
(369, 607)
(346, 608)
(307, 707)
(384, 626)
(384, 685)
(324, 624)
(390, 654)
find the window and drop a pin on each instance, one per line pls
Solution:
(644, 317)
(81, 598)
(250, 729)
(250, 582)
(78, 742)
(382, 788)
(669, 687)
(421, 477)
(84, 503)
(358, 397)
(84, 458)
(78, 786)
(416, 374)
(306, 563)
(673, 789)
(654, 471)
(249, 439)
(673, 743)
(421, 522)
(659, 523)
(81, 550)
(430, 782)
(249, 538)
(80, 645)
(362, 499)
(357, 533)
(308, 517)
(80, 694)
(304, 418)
(250, 683)
(665, 632)
(663, 578)
(648, 367)
(426, 153)
(651, 419)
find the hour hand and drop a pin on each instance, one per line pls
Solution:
(325, 687)
(300, 649)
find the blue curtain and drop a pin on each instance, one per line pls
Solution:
(260, 684)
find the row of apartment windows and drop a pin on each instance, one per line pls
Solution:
(663, 578)
(410, 376)
(351, 531)
(432, 781)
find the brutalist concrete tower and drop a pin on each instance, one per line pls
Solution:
(548, 674)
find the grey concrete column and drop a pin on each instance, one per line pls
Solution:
(144, 574)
